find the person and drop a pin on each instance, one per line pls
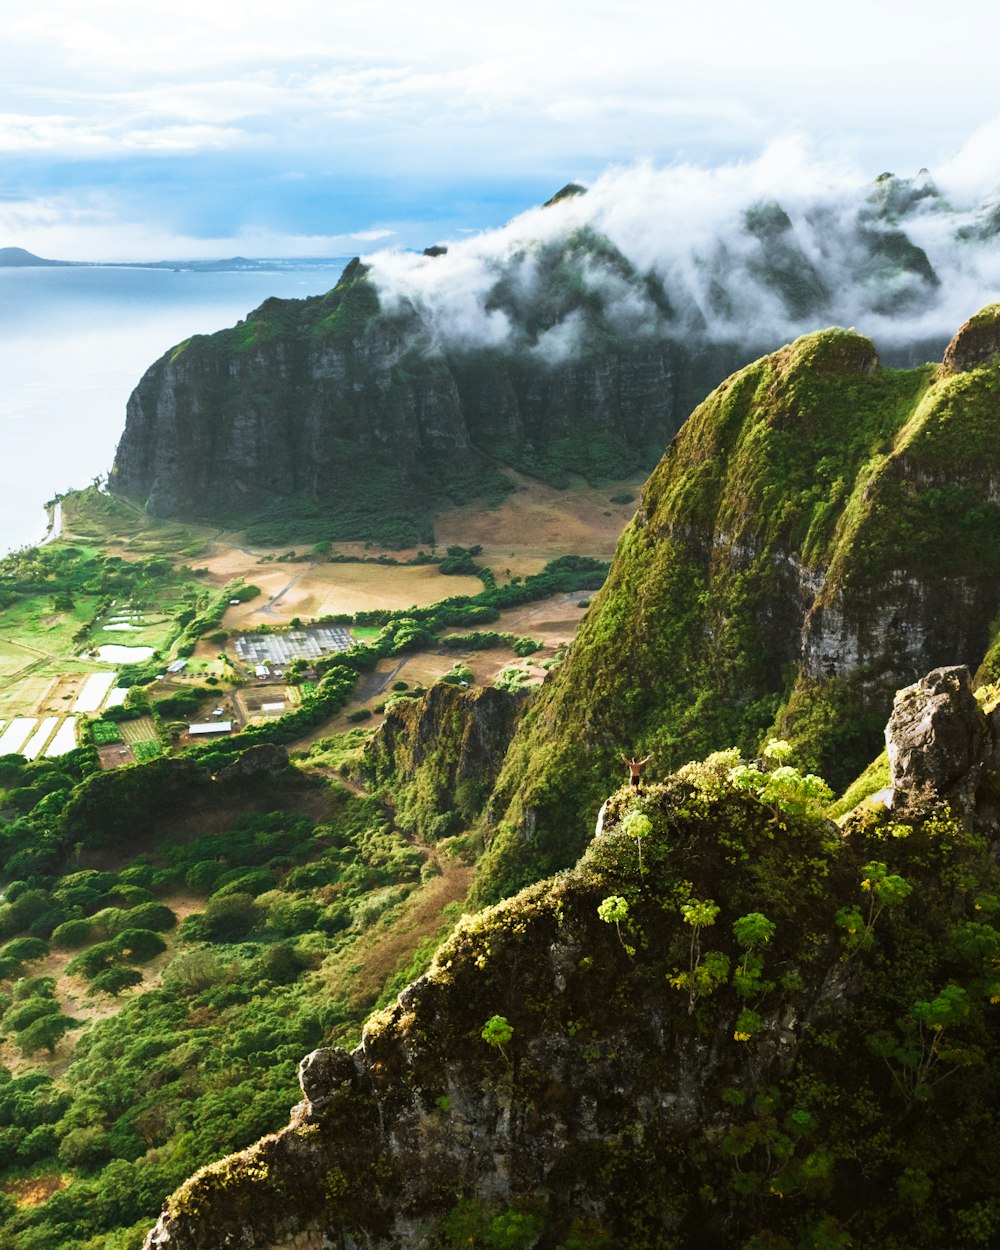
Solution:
(635, 768)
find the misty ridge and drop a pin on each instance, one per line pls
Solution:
(751, 254)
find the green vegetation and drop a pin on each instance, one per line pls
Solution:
(202, 1058)
(154, 1047)
(812, 472)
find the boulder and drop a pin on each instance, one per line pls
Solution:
(937, 740)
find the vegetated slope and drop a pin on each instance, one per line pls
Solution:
(821, 531)
(365, 410)
(732, 1025)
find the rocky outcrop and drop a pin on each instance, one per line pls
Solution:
(436, 758)
(942, 745)
(976, 343)
(260, 763)
(580, 1067)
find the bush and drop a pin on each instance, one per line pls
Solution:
(72, 933)
(85, 1148)
(156, 916)
(230, 918)
(45, 1032)
(113, 980)
(17, 1019)
(279, 964)
(140, 944)
(255, 882)
(91, 963)
(25, 949)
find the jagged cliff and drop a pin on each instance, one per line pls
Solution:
(732, 1024)
(369, 407)
(436, 758)
(822, 530)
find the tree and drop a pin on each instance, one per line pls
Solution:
(497, 1032)
(613, 910)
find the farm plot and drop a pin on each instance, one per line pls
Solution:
(94, 692)
(142, 729)
(16, 734)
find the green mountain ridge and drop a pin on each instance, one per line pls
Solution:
(821, 532)
(732, 1023)
(726, 1021)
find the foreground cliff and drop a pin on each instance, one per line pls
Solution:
(555, 347)
(732, 1024)
(822, 531)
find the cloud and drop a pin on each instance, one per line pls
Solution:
(750, 251)
(372, 236)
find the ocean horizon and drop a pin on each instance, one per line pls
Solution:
(74, 342)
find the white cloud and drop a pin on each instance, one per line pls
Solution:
(686, 225)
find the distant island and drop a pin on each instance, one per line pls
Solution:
(20, 258)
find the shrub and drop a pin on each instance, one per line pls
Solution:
(85, 1148)
(140, 944)
(90, 963)
(72, 933)
(156, 916)
(25, 949)
(230, 918)
(113, 980)
(17, 1019)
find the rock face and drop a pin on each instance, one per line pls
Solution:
(941, 744)
(436, 758)
(976, 343)
(262, 762)
(820, 533)
(557, 1079)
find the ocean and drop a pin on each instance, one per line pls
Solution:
(73, 344)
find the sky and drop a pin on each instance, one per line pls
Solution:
(203, 129)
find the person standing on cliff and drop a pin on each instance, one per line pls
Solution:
(635, 768)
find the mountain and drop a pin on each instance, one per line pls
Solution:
(18, 258)
(821, 532)
(727, 1021)
(563, 345)
(732, 1024)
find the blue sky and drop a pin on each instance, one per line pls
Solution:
(307, 128)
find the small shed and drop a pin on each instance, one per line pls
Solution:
(210, 727)
(178, 666)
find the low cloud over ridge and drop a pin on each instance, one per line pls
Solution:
(756, 252)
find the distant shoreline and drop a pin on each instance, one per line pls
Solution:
(20, 258)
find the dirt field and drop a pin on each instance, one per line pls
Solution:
(312, 590)
(538, 522)
(533, 525)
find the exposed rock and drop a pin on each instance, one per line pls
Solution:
(603, 1062)
(976, 343)
(941, 745)
(936, 739)
(265, 760)
(436, 758)
(621, 1112)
